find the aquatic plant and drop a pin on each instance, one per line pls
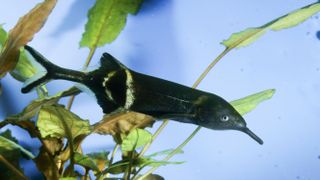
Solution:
(61, 131)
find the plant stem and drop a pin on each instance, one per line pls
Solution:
(137, 173)
(195, 85)
(112, 157)
(86, 174)
(211, 65)
(93, 49)
(69, 138)
(127, 174)
(179, 148)
(85, 66)
(89, 58)
(51, 159)
(113, 153)
(12, 167)
(154, 136)
(71, 100)
(42, 91)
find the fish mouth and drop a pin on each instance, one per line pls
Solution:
(252, 135)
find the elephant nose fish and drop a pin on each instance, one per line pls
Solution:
(117, 87)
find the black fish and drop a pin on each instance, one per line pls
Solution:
(115, 86)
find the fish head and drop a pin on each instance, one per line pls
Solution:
(215, 113)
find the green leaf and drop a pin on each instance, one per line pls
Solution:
(136, 139)
(121, 166)
(296, 17)
(106, 19)
(99, 155)
(100, 158)
(24, 68)
(22, 33)
(3, 36)
(247, 104)
(243, 38)
(68, 178)
(35, 105)
(53, 121)
(118, 167)
(85, 161)
(9, 150)
(248, 36)
(9, 145)
(155, 163)
(151, 177)
(23, 119)
(164, 152)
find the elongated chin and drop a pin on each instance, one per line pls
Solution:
(252, 135)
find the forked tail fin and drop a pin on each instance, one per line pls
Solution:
(52, 72)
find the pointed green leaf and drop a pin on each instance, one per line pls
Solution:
(24, 69)
(34, 107)
(26, 124)
(164, 152)
(22, 33)
(53, 120)
(155, 163)
(247, 104)
(8, 143)
(248, 36)
(23, 119)
(244, 38)
(118, 167)
(136, 139)
(295, 18)
(106, 19)
(85, 161)
(10, 151)
(3, 37)
(121, 166)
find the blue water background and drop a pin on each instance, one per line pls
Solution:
(176, 40)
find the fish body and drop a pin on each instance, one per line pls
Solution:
(117, 87)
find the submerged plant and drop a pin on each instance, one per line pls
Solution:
(61, 132)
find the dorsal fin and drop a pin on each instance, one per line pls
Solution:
(109, 63)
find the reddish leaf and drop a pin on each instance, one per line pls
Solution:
(22, 33)
(122, 123)
(46, 161)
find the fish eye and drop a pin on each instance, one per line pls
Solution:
(224, 118)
